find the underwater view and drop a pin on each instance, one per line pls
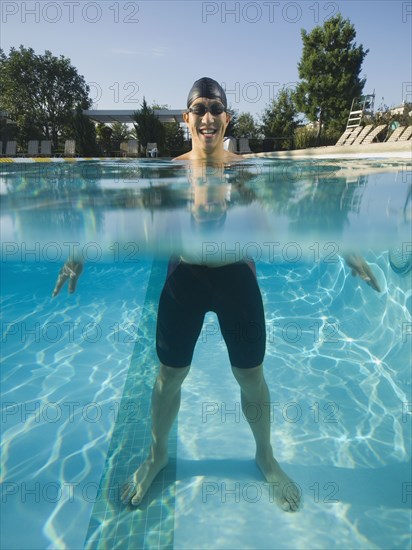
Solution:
(86, 249)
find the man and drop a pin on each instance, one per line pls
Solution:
(232, 292)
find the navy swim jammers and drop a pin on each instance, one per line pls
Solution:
(232, 292)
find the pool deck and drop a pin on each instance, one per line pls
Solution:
(395, 150)
(373, 150)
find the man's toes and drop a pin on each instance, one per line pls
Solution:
(136, 500)
(290, 503)
(289, 506)
(128, 491)
(285, 506)
(294, 506)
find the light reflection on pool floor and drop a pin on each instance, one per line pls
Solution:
(338, 369)
(339, 378)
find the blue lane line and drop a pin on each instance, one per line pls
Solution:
(151, 525)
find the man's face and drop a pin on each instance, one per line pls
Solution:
(208, 130)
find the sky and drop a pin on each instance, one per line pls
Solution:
(128, 50)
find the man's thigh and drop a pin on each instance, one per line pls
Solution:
(180, 319)
(242, 319)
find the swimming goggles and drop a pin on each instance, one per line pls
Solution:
(400, 260)
(200, 109)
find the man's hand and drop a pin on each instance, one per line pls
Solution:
(361, 268)
(71, 270)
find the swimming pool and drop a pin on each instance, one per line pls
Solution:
(78, 370)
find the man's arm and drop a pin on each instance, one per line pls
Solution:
(359, 267)
(71, 270)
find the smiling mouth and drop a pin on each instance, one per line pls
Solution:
(207, 131)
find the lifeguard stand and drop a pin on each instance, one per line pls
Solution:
(361, 106)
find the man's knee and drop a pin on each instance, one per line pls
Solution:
(172, 375)
(248, 376)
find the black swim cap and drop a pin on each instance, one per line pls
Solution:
(206, 87)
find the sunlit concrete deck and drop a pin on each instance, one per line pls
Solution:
(371, 150)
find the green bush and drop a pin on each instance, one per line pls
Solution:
(256, 145)
(306, 137)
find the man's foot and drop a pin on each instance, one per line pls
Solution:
(286, 492)
(135, 489)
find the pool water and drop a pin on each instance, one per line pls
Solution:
(77, 370)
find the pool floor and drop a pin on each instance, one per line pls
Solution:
(76, 383)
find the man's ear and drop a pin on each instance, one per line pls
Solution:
(186, 117)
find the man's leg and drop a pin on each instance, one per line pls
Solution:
(165, 406)
(179, 322)
(254, 391)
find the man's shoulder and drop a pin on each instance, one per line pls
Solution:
(229, 156)
(185, 156)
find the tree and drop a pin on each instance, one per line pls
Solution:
(120, 132)
(232, 123)
(329, 68)
(8, 132)
(148, 127)
(84, 132)
(245, 126)
(279, 119)
(160, 106)
(174, 137)
(104, 136)
(40, 92)
(173, 133)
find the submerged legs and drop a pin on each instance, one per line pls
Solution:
(165, 406)
(254, 390)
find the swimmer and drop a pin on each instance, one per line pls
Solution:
(190, 290)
